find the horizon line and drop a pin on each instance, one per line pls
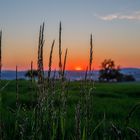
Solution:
(68, 69)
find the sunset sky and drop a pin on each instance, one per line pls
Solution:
(115, 25)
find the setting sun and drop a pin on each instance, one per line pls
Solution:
(78, 68)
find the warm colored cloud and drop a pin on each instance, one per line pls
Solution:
(129, 16)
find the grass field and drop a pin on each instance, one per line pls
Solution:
(111, 102)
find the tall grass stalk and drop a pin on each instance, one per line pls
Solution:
(60, 52)
(63, 92)
(50, 97)
(63, 99)
(50, 62)
(39, 110)
(64, 65)
(91, 53)
(86, 74)
(18, 108)
(32, 73)
(0, 53)
(17, 93)
(32, 83)
(86, 98)
(0, 87)
(40, 55)
(62, 95)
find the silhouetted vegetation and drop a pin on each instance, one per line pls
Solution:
(109, 72)
(31, 73)
(128, 78)
(0, 53)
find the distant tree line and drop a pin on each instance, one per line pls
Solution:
(108, 73)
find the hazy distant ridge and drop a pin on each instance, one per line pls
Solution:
(72, 75)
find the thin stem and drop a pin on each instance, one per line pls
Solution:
(17, 96)
(0, 53)
(60, 51)
(65, 59)
(50, 61)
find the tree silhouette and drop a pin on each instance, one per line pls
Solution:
(31, 74)
(108, 71)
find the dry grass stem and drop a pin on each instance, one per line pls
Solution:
(91, 53)
(31, 71)
(50, 61)
(0, 53)
(60, 52)
(64, 65)
(17, 94)
(40, 55)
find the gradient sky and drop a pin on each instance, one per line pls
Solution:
(115, 25)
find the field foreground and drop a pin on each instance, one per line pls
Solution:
(113, 112)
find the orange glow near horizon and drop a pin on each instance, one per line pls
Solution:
(78, 68)
(74, 62)
(21, 53)
(69, 66)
